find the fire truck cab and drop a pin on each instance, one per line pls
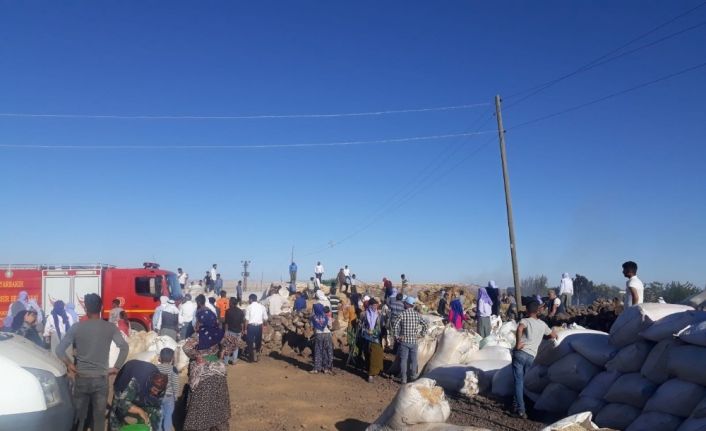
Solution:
(137, 289)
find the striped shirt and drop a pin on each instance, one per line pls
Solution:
(173, 385)
(335, 303)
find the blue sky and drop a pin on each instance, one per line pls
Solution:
(618, 180)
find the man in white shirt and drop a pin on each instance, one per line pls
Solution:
(566, 289)
(554, 303)
(214, 273)
(255, 317)
(319, 271)
(634, 289)
(187, 310)
(183, 278)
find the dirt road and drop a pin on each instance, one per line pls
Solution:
(278, 393)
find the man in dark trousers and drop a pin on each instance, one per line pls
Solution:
(91, 339)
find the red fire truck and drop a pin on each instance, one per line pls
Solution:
(137, 289)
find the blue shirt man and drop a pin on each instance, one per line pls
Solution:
(293, 272)
(300, 303)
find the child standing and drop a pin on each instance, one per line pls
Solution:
(166, 367)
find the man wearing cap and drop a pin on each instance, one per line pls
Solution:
(407, 328)
(91, 339)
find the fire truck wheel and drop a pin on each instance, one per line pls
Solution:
(137, 326)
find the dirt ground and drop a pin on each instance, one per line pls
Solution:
(278, 393)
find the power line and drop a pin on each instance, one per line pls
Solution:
(610, 96)
(605, 58)
(241, 147)
(236, 117)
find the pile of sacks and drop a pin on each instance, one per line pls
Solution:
(420, 406)
(465, 363)
(645, 375)
(145, 346)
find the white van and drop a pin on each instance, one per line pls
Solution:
(35, 394)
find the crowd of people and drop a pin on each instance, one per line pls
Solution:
(216, 329)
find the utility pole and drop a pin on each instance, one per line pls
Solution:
(292, 254)
(508, 203)
(245, 274)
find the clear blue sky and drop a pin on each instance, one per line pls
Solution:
(618, 180)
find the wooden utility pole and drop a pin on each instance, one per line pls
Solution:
(508, 203)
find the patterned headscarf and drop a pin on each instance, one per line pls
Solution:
(210, 332)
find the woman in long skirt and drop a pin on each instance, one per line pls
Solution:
(208, 407)
(323, 343)
(371, 332)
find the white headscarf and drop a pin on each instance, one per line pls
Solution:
(323, 300)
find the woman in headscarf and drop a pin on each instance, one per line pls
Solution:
(484, 309)
(322, 299)
(57, 324)
(456, 313)
(371, 331)
(443, 303)
(25, 324)
(137, 395)
(208, 406)
(71, 311)
(323, 343)
(22, 303)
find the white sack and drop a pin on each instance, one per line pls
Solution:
(694, 334)
(556, 398)
(573, 371)
(493, 353)
(435, 324)
(655, 421)
(676, 397)
(599, 384)
(452, 378)
(150, 338)
(687, 363)
(630, 358)
(164, 341)
(573, 422)
(693, 424)
(509, 327)
(667, 327)
(617, 416)
(537, 378)
(504, 382)
(551, 350)
(700, 410)
(442, 427)
(632, 389)
(426, 347)
(586, 404)
(416, 403)
(655, 366)
(595, 347)
(454, 347)
(633, 320)
(485, 370)
(181, 361)
(495, 341)
(115, 351)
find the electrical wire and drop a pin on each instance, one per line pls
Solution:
(606, 58)
(610, 96)
(241, 147)
(236, 117)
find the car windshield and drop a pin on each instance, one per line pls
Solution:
(174, 287)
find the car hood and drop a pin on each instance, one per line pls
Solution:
(27, 354)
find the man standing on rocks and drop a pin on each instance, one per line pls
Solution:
(239, 291)
(218, 284)
(566, 289)
(183, 278)
(404, 284)
(319, 271)
(293, 272)
(255, 317)
(408, 326)
(91, 340)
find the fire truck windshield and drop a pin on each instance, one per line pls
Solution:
(174, 287)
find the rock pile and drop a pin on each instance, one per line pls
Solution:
(293, 330)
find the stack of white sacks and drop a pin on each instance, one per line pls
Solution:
(465, 363)
(647, 374)
(145, 346)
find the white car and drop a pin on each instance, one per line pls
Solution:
(35, 393)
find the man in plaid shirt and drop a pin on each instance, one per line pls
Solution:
(407, 328)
